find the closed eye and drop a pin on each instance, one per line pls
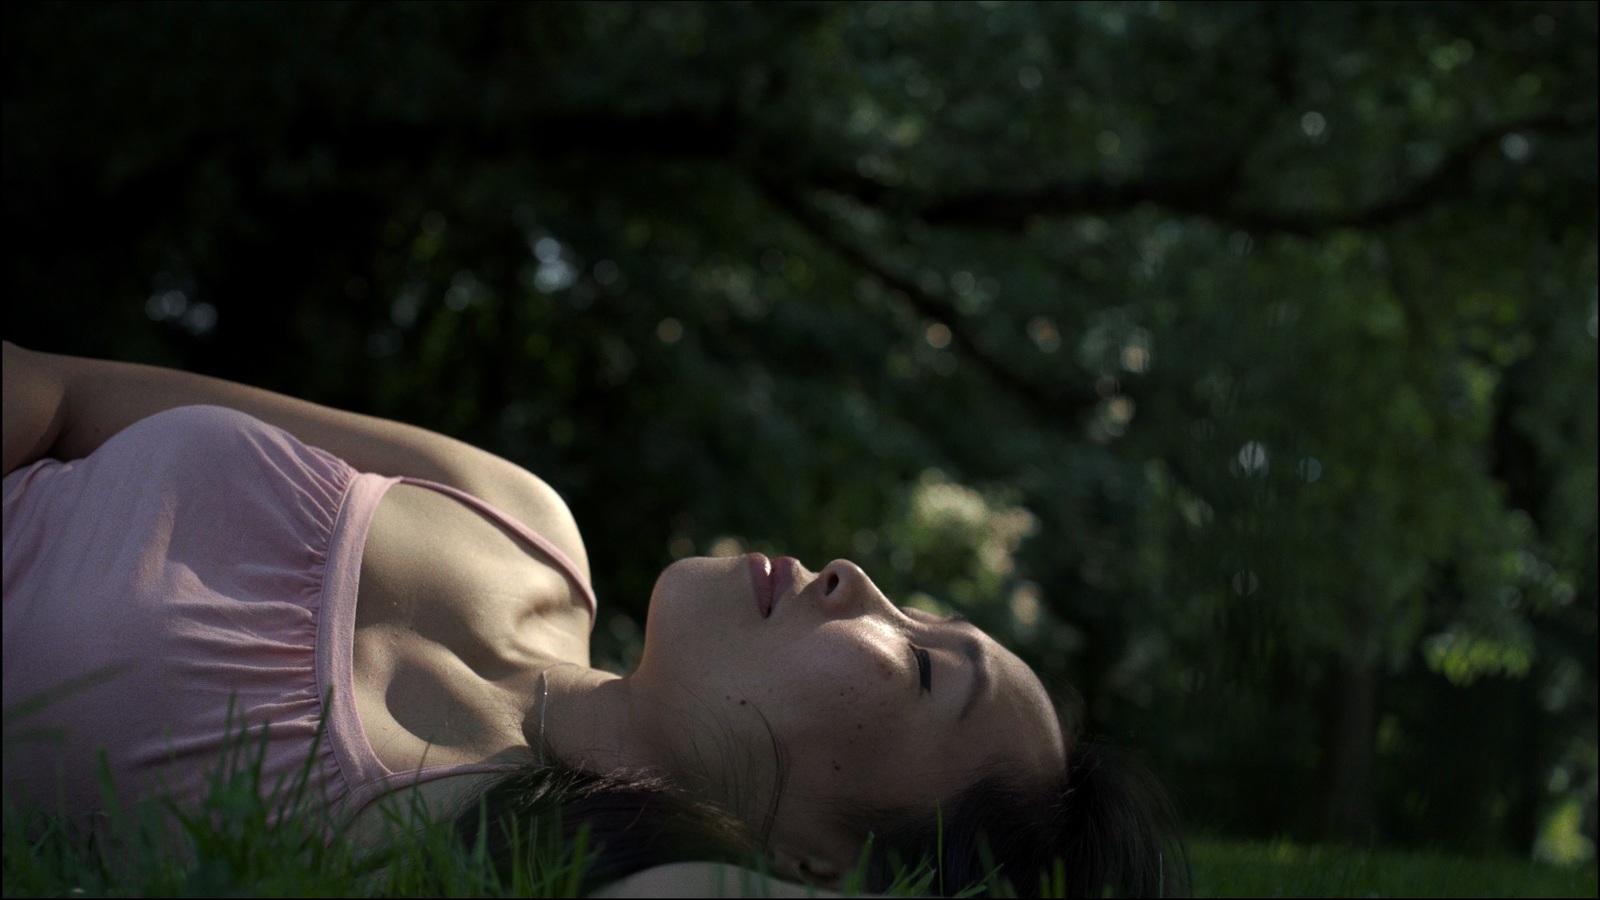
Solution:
(925, 668)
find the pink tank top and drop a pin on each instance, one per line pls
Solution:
(201, 564)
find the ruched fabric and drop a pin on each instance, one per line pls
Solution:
(194, 576)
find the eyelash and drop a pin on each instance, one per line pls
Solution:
(925, 667)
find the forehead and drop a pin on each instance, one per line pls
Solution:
(1014, 719)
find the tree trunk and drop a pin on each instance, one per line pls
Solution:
(1353, 725)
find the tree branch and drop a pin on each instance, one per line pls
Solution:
(1212, 198)
(1052, 404)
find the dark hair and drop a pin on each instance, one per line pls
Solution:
(628, 821)
(1103, 824)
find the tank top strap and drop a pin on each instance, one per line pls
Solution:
(363, 795)
(561, 560)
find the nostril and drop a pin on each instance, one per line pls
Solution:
(833, 582)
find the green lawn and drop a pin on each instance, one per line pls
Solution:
(1279, 869)
(231, 850)
(1221, 869)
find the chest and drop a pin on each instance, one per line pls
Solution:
(455, 618)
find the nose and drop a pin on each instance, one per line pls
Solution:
(845, 590)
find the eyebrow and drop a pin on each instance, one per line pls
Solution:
(973, 650)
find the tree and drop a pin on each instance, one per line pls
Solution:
(1234, 361)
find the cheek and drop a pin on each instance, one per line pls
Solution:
(846, 692)
(852, 731)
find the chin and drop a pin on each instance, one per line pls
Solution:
(697, 607)
(689, 577)
(696, 593)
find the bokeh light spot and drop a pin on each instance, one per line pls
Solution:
(1044, 334)
(1515, 147)
(727, 545)
(1253, 457)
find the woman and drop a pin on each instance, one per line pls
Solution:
(182, 553)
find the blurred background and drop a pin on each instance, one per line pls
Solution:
(1233, 362)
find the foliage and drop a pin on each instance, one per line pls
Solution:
(1249, 348)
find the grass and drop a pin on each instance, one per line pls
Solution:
(1224, 868)
(219, 856)
(233, 846)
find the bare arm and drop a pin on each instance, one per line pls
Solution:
(33, 408)
(65, 406)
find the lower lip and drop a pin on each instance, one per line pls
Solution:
(761, 581)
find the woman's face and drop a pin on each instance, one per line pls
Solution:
(872, 703)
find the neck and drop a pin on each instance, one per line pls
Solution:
(587, 719)
(601, 723)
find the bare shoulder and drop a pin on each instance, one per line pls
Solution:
(532, 501)
(707, 879)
